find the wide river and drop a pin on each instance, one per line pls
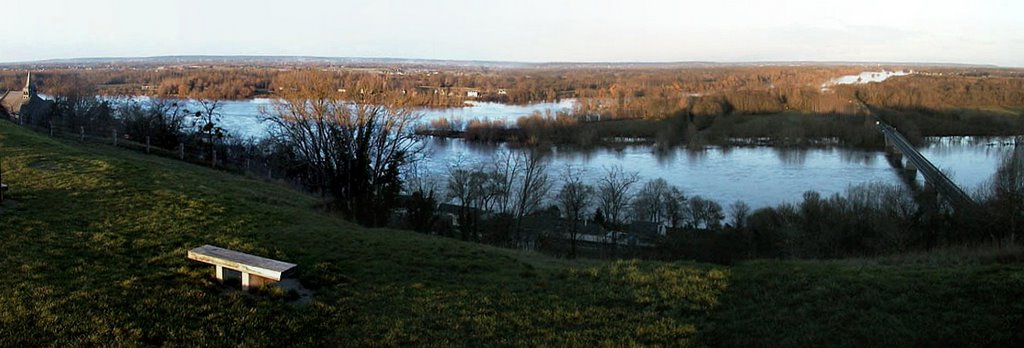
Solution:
(760, 176)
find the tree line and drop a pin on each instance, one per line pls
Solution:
(491, 201)
(624, 93)
(695, 106)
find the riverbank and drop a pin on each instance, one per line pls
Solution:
(788, 129)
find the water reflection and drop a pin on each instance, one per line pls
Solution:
(695, 155)
(760, 176)
(970, 161)
(862, 157)
(665, 156)
(960, 144)
(791, 156)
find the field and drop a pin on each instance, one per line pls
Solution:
(94, 241)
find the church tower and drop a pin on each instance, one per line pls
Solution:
(29, 91)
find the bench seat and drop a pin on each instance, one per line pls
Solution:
(255, 270)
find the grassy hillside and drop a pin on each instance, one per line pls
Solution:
(93, 249)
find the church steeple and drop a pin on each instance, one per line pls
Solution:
(30, 89)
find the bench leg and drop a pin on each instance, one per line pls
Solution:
(220, 273)
(252, 281)
(245, 281)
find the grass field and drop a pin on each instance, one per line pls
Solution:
(94, 238)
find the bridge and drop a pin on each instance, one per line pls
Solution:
(899, 146)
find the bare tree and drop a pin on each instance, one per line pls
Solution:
(421, 188)
(476, 191)
(740, 211)
(532, 188)
(1006, 191)
(674, 206)
(486, 189)
(613, 192)
(461, 188)
(508, 166)
(207, 118)
(574, 198)
(355, 151)
(704, 213)
(651, 201)
(417, 178)
(162, 120)
(207, 122)
(75, 105)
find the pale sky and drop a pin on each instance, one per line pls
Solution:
(967, 31)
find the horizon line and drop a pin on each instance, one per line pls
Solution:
(483, 62)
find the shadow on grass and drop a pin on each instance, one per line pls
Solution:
(864, 304)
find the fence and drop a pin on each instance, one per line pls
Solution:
(231, 155)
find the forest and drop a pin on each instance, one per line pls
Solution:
(631, 93)
(728, 105)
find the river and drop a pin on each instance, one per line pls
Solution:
(242, 117)
(759, 176)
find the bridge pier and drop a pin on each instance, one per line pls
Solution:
(936, 182)
(897, 156)
(892, 150)
(910, 166)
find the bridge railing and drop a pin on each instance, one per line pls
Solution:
(932, 174)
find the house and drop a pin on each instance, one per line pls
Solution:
(472, 94)
(646, 232)
(550, 224)
(452, 213)
(25, 105)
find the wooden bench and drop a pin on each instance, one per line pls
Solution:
(255, 270)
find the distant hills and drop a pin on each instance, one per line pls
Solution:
(203, 60)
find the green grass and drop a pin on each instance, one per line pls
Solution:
(93, 253)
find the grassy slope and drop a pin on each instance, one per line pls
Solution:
(94, 253)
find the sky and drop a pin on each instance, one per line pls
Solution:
(939, 31)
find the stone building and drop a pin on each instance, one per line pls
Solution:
(26, 104)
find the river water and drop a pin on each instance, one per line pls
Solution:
(865, 77)
(759, 176)
(242, 117)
